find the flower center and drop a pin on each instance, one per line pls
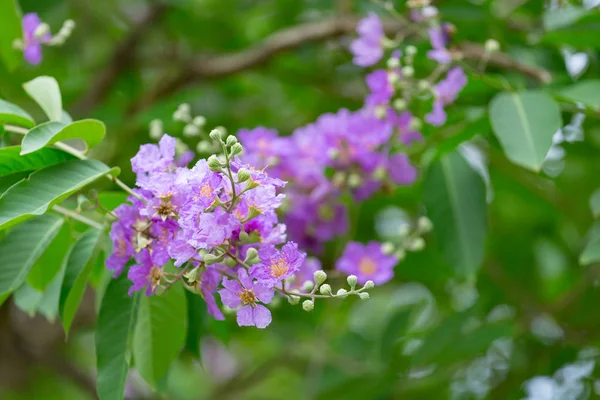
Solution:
(367, 266)
(247, 296)
(121, 248)
(279, 268)
(206, 191)
(155, 277)
(165, 210)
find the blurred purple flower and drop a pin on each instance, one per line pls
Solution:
(446, 92)
(438, 37)
(368, 47)
(400, 169)
(32, 50)
(367, 262)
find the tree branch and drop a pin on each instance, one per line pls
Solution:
(121, 60)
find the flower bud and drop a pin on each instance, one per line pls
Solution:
(408, 71)
(411, 50)
(400, 254)
(307, 286)
(204, 146)
(364, 296)
(215, 135)
(424, 85)
(231, 140)
(251, 255)
(352, 280)
(399, 104)
(192, 275)
(342, 293)
(41, 30)
(416, 124)
(214, 164)
(191, 130)
(393, 78)
(320, 277)
(325, 289)
(424, 224)
(380, 112)
(230, 262)
(236, 149)
(156, 129)
(308, 305)
(387, 248)
(199, 121)
(354, 180)
(429, 12)
(491, 45)
(393, 63)
(212, 259)
(293, 300)
(416, 244)
(369, 285)
(243, 174)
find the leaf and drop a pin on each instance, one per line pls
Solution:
(524, 123)
(586, 92)
(15, 115)
(591, 252)
(10, 20)
(595, 203)
(116, 323)
(28, 299)
(503, 8)
(160, 333)
(196, 308)
(22, 246)
(454, 195)
(11, 161)
(90, 130)
(49, 304)
(578, 29)
(111, 200)
(556, 18)
(79, 265)
(46, 92)
(6, 182)
(50, 262)
(46, 187)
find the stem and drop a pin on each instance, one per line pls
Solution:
(76, 216)
(230, 175)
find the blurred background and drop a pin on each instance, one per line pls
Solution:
(531, 311)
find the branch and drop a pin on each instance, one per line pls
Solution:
(121, 60)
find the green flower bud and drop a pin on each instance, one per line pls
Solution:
(387, 248)
(491, 45)
(212, 259)
(393, 63)
(214, 164)
(342, 293)
(215, 135)
(156, 129)
(293, 300)
(320, 277)
(308, 305)
(416, 124)
(408, 71)
(354, 180)
(307, 286)
(424, 224)
(364, 296)
(69, 24)
(325, 289)
(191, 130)
(231, 140)
(424, 85)
(411, 50)
(393, 78)
(199, 121)
(400, 254)
(236, 149)
(416, 244)
(352, 280)
(192, 275)
(251, 255)
(230, 262)
(243, 174)
(204, 146)
(369, 285)
(400, 104)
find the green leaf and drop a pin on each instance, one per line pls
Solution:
(454, 195)
(111, 200)
(22, 246)
(46, 92)
(6, 182)
(556, 18)
(160, 333)
(50, 262)
(11, 161)
(28, 299)
(10, 20)
(14, 115)
(79, 265)
(116, 323)
(585, 92)
(595, 203)
(90, 130)
(49, 304)
(46, 187)
(196, 316)
(577, 28)
(524, 124)
(591, 252)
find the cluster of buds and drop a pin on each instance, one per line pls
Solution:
(193, 124)
(37, 33)
(410, 238)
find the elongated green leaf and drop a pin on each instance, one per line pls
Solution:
(79, 266)
(585, 92)
(196, 316)
(22, 246)
(591, 252)
(454, 195)
(111, 200)
(116, 323)
(49, 264)
(11, 161)
(49, 304)
(15, 115)
(6, 182)
(45, 188)
(579, 29)
(10, 21)
(28, 299)
(524, 124)
(90, 130)
(160, 333)
(46, 92)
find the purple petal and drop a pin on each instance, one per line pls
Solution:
(264, 293)
(262, 316)
(245, 316)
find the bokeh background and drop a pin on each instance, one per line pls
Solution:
(531, 310)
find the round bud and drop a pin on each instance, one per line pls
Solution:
(411, 50)
(354, 180)
(214, 164)
(416, 124)
(416, 244)
(399, 104)
(293, 300)
(243, 174)
(236, 149)
(400, 254)
(369, 285)
(210, 259)
(320, 277)
(424, 224)
(215, 134)
(424, 85)
(403, 230)
(325, 289)
(307, 286)
(491, 45)
(342, 293)
(204, 146)
(184, 108)
(230, 262)
(387, 248)
(364, 296)
(199, 121)
(408, 71)
(231, 140)
(156, 129)
(352, 280)
(69, 24)
(308, 305)
(191, 130)
(18, 44)
(380, 112)
(251, 254)
(393, 78)
(429, 12)
(393, 63)
(41, 30)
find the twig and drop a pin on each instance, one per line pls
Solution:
(76, 216)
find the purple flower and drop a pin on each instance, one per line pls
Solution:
(32, 50)
(263, 147)
(154, 158)
(381, 89)
(209, 282)
(446, 92)
(439, 39)
(247, 294)
(368, 48)
(400, 170)
(213, 229)
(306, 273)
(402, 122)
(262, 199)
(276, 265)
(367, 262)
(122, 248)
(162, 232)
(144, 274)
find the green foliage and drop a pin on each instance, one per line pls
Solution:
(13, 114)
(50, 262)
(46, 134)
(10, 20)
(11, 161)
(585, 92)
(46, 93)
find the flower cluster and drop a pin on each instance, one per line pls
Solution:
(37, 33)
